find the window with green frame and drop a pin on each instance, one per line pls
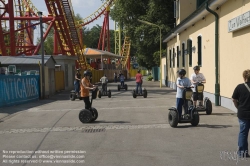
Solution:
(189, 49)
(177, 55)
(199, 50)
(170, 59)
(183, 54)
(174, 57)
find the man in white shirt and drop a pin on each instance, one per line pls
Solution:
(195, 78)
(104, 81)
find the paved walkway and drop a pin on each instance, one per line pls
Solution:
(128, 131)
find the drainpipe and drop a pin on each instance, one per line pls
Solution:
(217, 85)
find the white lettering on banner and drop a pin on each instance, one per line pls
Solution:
(239, 22)
(19, 88)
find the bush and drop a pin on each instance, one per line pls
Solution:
(150, 78)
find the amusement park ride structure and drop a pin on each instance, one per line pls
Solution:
(17, 29)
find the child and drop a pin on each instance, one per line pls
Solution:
(181, 82)
(122, 80)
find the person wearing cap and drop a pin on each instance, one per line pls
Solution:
(195, 78)
(104, 81)
(77, 81)
(85, 87)
(181, 83)
(138, 80)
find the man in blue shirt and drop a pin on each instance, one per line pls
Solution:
(181, 82)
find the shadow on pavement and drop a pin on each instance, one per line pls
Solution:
(207, 126)
(103, 121)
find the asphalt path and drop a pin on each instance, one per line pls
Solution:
(128, 132)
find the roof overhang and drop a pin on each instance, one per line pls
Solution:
(196, 16)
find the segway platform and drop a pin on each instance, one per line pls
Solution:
(119, 87)
(104, 93)
(190, 115)
(89, 115)
(207, 105)
(73, 95)
(144, 93)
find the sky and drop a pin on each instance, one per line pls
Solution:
(82, 7)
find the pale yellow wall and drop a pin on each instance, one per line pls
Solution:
(234, 48)
(205, 28)
(186, 7)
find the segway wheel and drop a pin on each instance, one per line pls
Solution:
(196, 119)
(85, 116)
(134, 94)
(109, 94)
(126, 87)
(100, 94)
(208, 107)
(173, 118)
(119, 87)
(145, 94)
(94, 114)
(72, 97)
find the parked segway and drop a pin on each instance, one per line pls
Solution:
(144, 93)
(104, 92)
(207, 105)
(74, 96)
(190, 115)
(89, 115)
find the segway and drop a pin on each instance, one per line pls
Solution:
(144, 93)
(207, 105)
(74, 96)
(190, 115)
(89, 115)
(119, 87)
(104, 92)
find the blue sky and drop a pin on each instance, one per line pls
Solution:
(82, 7)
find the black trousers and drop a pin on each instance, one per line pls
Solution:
(87, 102)
(104, 86)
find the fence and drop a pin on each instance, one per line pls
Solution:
(18, 89)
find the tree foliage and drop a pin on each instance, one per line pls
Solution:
(145, 38)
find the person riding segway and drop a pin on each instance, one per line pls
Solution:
(104, 91)
(89, 113)
(183, 96)
(76, 93)
(198, 80)
(122, 85)
(139, 80)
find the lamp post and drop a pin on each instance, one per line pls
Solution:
(149, 23)
(40, 14)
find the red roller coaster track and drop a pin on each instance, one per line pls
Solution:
(16, 36)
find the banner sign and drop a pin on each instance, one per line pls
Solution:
(239, 22)
(18, 89)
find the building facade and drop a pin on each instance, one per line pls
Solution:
(213, 34)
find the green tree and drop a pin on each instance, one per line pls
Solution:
(145, 38)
